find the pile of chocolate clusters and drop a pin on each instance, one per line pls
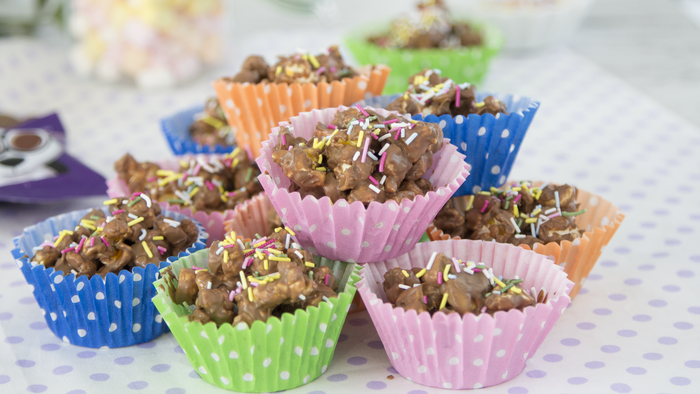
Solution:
(210, 127)
(448, 285)
(429, 93)
(361, 156)
(520, 214)
(211, 184)
(249, 280)
(430, 26)
(298, 68)
(134, 234)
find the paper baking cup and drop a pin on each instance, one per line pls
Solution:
(213, 222)
(532, 27)
(466, 352)
(468, 64)
(113, 312)
(351, 232)
(272, 356)
(489, 143)
(600, 222)
(252, 110)
(176, 129)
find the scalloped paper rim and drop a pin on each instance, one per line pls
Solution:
(466, 352)
(253, 109)
(351, 232)
(279, 354)
(113, 312)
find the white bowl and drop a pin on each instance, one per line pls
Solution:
(530, 27)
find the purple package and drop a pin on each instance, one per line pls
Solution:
(34, 167)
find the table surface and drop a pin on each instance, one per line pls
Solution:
(633, 327)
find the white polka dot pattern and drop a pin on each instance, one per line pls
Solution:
(626, 325)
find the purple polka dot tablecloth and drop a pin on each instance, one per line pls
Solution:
(632, 329)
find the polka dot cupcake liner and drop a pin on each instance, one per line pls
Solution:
(470, 352)
(279, 354)
(489, 143)
(351, 232)
(468, 64)
(252, 110)
(250, 218)
(113, 312)
(600, 222)
(213, 222)
(176, 129)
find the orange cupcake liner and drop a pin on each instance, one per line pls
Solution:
(250, 218)
(252, 110)
(600, 222)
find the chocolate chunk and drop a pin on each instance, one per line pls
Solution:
(187, 289)
(215, 305)
(396, 281)
(254, 70)
(299, 166)
(509, 300)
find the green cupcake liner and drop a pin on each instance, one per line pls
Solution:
(272, 356)
(464, 64)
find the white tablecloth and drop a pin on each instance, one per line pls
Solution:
(633, 328)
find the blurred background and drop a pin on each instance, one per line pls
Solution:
(654, 45)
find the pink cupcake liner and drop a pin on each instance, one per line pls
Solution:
(250, 218)
(351, 232)
(469, 352)
(212, 222)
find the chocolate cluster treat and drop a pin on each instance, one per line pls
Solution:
(430, 93)
(134, 234)
(448, 285)
(249, 280)
(298, 68)
(361, 156)
(212, 184)
(520, 214)
(210, 127)
(429, 26)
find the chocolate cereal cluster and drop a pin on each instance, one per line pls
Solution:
(298, 68)
(449, 285)
(520, 214)
(361, 156)
(133, 234)
(429, 26)
(205, 184)
(210, 127)
(429, 93)
(248, 280)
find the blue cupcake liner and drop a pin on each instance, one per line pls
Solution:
(115, 312)
(489, 143)
(177, 131)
